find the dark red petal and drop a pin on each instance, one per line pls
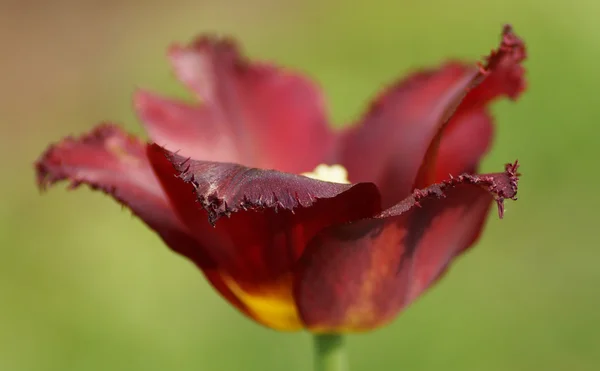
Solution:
(503, 74)
(398, 139)
(276, 117)
(359, 276)
(458, 151)
(185, 128)
(269, 215)
(114, 162)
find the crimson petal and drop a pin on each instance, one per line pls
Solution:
(462, 145)
(396, 143)
(358, 276)
(114, 162)
(110, 160)
(466, 136)
(187, 128)
(274, 118)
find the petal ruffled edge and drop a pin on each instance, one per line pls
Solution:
(99, 158)
(226, 188)
(502, 186)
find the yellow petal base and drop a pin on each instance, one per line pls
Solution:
(271, 304)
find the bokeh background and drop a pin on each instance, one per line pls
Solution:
(85, 286)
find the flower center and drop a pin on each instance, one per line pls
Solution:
(329, 173)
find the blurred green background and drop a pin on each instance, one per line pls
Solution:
(85, 286)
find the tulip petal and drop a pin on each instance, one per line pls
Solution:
(269, 215)
(114, 162)
(458, 152)
(185, 128)
(396, 144)
(358, 276)
(273, 117)
(110, 160)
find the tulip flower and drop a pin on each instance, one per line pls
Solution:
(297, 225)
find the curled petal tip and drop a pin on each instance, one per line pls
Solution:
(508, 189)
(511, 50)
(511, 169)
(509, 38)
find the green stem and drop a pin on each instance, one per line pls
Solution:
(330, 353)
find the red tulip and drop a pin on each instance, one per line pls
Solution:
(289, 251)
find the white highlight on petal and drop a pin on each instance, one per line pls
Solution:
(329, 173)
